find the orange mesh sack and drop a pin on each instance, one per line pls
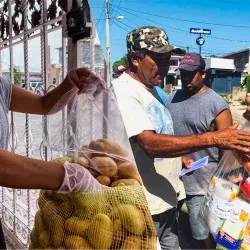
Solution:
(90, 132)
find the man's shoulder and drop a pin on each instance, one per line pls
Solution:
(119, 80)
(174, 96)
(215, 97)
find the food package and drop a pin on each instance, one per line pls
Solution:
(225, 210)
(90, 132)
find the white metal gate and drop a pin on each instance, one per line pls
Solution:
(20, 22)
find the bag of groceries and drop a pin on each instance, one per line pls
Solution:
(226, 207)
(90, 132)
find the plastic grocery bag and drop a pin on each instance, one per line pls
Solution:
(90, 132)
(226, 207)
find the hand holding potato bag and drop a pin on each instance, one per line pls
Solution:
(78, 179)
(101, 203)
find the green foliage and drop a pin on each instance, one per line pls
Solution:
(122, 62)
(17, 75)
(244, 83)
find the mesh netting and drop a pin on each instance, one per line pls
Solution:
(116, 218)
(90, 132)
(226, 207)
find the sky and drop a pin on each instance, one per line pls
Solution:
(225, 12)
(160, 13)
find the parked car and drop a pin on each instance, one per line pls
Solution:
(34, 85)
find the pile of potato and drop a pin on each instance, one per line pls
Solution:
(116, 218)
(107, 164)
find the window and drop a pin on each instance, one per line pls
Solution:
(173, 62)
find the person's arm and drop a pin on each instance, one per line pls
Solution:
(17, 171)
(26, 173)
(24, 101)
(167, 146)
(77, 80)
(223, 120)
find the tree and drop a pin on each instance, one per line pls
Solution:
(123, 61)
(245, 81)
(17, 75)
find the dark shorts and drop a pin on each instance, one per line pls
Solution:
(167, 229)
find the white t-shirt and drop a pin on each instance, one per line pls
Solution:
(142, 110)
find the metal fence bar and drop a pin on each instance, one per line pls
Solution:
(20, 223)
(92, 67)
(33, 36)
(12, 119)
(64, 113)
(44, 64)
(30, 31)
(26, 80)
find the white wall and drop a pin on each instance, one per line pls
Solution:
(219, 63)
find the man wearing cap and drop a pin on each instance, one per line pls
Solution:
(150, 129)
(197, 109)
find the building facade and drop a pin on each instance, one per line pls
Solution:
(221, 75)
(241, 61)
(86, 57)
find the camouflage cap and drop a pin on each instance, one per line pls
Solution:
(149, 38)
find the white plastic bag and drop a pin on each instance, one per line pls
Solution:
(226, 207)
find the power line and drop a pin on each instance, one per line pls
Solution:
(100, 17)
(120, 26)
(128, 26)
(136, 24)
(191, 21)
(118, 7)
(181, 30)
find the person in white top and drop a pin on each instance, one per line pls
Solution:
(150, 129)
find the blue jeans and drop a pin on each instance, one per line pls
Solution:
(193, 203)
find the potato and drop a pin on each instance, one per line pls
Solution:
(76, 242)
(132, 242)
(115, 178)
(49, 210)
(119, 234)
(39, 224)
(57, 230)
(44, 239)
(104, 180)
(34, 237)
(82, 161)
(149, 243)
(44, 195)
(100, 232)
(66, 209)
(105, 165)
(94, 172)
(77, 226)
(58, 197)
(128, 170)
(126, 182)
(132, 219)
(107, 146)
(86, 154)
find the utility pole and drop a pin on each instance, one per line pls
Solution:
(108, 42)
(107, 74)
